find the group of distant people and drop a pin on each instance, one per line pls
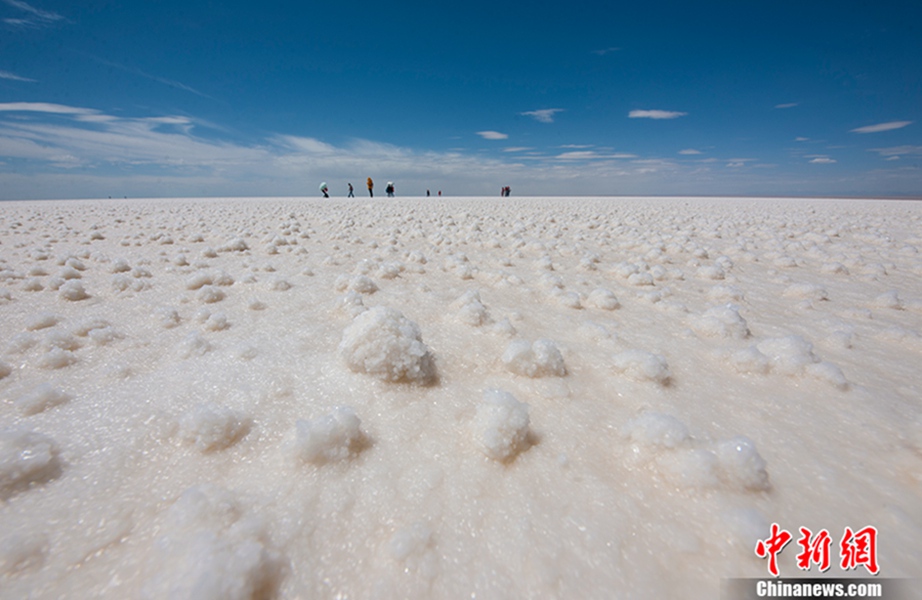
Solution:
(505, 192)
(390, 189)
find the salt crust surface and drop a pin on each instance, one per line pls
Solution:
(529, 398)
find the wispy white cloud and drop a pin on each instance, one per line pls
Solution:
(787, 105)
(655, 114)
(544, 115)
(823, 160)
(164, 80)
(889, 126)
(689, 151)
(493, 135)
(33, 17)
(801, 139)
(898, 150)
(517, 149)
(15, 77)
(579, 155)
(736, 163)
(45, 107)
(604, 51)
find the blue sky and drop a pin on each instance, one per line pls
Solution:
(206, 98)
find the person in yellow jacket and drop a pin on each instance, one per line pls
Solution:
(371, 187)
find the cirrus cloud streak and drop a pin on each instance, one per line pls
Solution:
(655, 114)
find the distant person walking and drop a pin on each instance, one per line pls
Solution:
(350, 195)
(371, 187)
(324, 189)
(390, 189)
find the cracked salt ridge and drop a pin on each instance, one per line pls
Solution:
(238, 399)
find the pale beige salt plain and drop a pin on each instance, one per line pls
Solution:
(158, 355)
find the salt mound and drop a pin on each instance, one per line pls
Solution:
(725, 293)
(329, 438)
(641, 365)
(352, 304)
(567, 299)
(233, 245)
(355, 283)
(211, 427)
(788, 355)
(791, 355)
(471, 310)
(26, 457)
(828, 372)
(603, 298)
(384, 343)
(656, 429)
(714, 272)
(641, 279)
(209, 294)
(193, 345)
(808, 291)
(201, 279)
(741, 465)
(500, 426)
(40, 399)
(889, 299)
(750, 360)
(167, 317)
(687, 462)
(538, 359)
(42, 320)
(212, 549)
(56, 358)
(73, 291)
(721, 321)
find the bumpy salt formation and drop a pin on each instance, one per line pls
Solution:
(500, 426)
(211, 427)
(384, 343)
(329, 438)
(211, 548)
(641, 365)
(538, 359)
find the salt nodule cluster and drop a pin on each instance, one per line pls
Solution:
(688, 462)
(385, 344)
(212, 548)
(540, 358)
(260, 398)
(212, 427)
(330, 437)
(500, 426)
